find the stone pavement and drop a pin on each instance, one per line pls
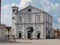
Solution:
(35, 42)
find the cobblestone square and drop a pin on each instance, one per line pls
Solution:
(35, 42)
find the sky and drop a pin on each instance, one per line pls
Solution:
(52, 7)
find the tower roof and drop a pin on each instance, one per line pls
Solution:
(14, 5)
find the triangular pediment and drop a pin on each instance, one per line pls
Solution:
(30, 9)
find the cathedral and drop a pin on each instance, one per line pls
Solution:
(31, 22)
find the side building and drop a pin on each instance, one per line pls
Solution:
(2, 27)
(2, 32)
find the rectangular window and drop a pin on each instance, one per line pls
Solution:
(20, 19)
(29, 18)
(25, 18)
(38, 18)
(47, 18)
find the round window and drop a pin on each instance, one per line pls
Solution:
(13, 17)
(29, 9)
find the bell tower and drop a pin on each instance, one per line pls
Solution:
(14, 19)
(14, 10)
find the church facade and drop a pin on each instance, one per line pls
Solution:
(31, 22)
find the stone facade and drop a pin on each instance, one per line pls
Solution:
(31, 18)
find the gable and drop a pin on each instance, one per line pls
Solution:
(30, 9)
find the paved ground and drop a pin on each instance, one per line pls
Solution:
(35, 42)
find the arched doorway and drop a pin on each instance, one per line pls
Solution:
(29, 32)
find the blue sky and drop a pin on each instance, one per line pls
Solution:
(50, 6)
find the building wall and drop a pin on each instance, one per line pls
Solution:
(56, 33)
(37, 27)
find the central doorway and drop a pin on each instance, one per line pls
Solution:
(29, 34)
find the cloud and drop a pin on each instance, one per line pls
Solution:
(9, 5)
(24, 3)
(58, 19)
(6, 10)
(57, 5)
(45, 5)
(48, 5)
(6, 19)
(5, 7)
(6, 14)
(56, 25)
